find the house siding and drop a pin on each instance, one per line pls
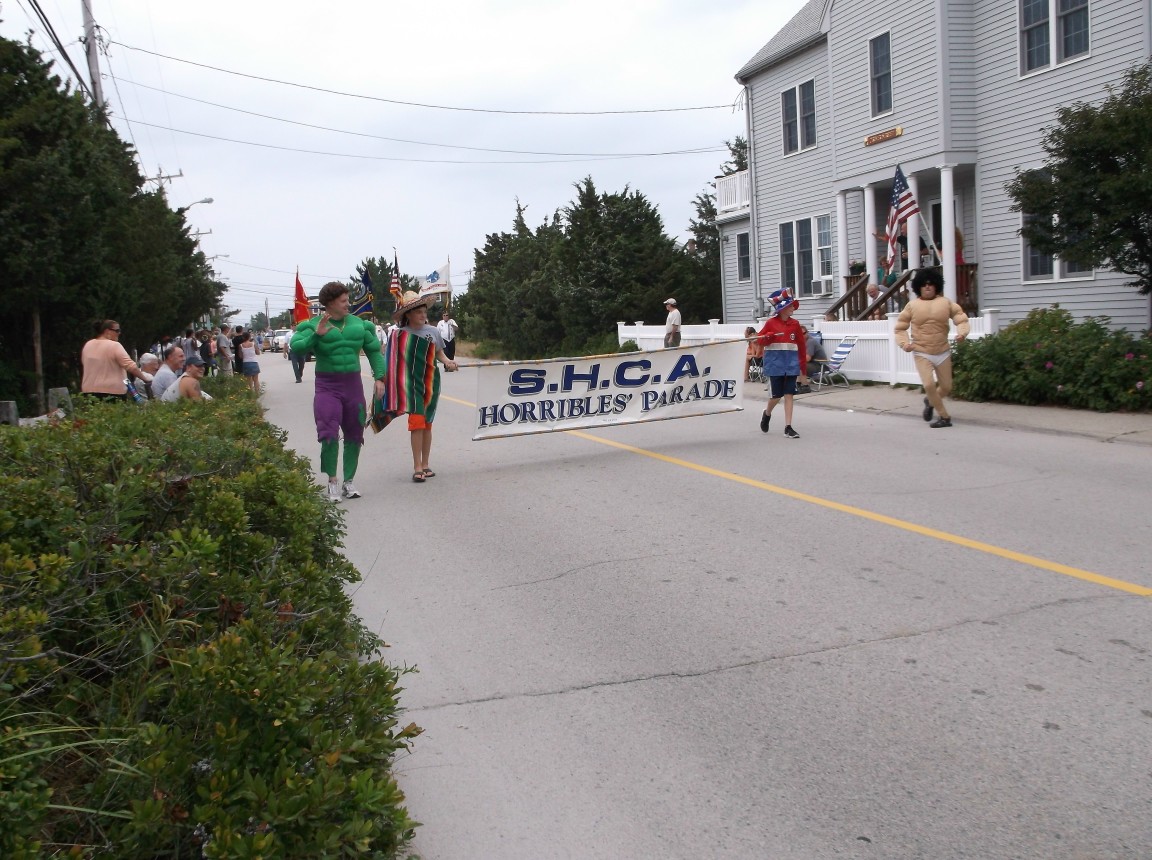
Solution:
(739, 298)
(960, 99)
(915, 84)
(799, 185)
(1012, 112)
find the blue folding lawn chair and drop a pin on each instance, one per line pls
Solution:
(827, 371)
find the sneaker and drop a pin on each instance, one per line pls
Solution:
(803, 389)
(764, 419)
(790, 433)
(927, 413)
(941, 422)
(350, 492)
(333, 491)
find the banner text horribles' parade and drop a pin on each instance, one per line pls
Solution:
(516, 398)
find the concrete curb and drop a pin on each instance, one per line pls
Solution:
(1129, 428)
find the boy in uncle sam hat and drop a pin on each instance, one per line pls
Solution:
(785, 357)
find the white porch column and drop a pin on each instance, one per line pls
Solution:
(912, 225)
(948, 230)
(870, 232)
(842, 239)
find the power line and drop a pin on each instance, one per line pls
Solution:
(422, 142)
(408, 160)
(60, 47)
(422, 104)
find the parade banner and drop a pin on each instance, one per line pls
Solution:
(518, 398)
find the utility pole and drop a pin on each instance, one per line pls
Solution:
(90, 48)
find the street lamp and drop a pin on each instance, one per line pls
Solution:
(184, 209)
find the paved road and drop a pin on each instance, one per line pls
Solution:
(691, 640)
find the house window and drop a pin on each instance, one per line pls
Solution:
(824, 245)
(1048, 267)
(1038, 266)
(880, 55)
(743, 258)
(1068, 269)
(798, 117)
(788, 257)
(806, 244)
(1047, 22)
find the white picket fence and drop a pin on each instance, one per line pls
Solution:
(875, 356)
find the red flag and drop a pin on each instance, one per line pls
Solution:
(394, 288)
(301, 311)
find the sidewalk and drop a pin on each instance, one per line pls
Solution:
(1104, 426)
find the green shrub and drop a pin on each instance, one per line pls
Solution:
(1047, 358)
(181, 673)
(629, 346)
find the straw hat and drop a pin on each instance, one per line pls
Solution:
(409, 302)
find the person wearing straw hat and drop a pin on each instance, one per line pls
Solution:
(785, 357)
(412, 380)
(336, 338)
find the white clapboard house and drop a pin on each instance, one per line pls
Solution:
(957, 92)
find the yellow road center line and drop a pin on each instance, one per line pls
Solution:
(936, 534)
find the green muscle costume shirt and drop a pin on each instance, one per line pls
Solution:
(338, 351)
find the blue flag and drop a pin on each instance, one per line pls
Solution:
(360, 301)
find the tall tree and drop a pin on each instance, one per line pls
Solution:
(80, 238)
(1091, 203)
(705, 233)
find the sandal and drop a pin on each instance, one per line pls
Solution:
(428, 473)
(418, 477)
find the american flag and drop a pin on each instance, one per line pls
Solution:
(394, 288)
(903, 207)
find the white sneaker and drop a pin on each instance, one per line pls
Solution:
(333, 491)
(350, 491)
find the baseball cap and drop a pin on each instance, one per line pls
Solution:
(669, 301)
(194, 358)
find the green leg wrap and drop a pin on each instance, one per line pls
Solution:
(329, 454)
(351, 460)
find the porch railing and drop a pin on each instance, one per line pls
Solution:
(733, 192)
(875, 357)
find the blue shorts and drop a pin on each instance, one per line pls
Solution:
(782, 385)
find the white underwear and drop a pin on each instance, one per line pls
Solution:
(937, 359)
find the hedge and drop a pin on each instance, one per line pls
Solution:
(1047, 359)
(181, 672)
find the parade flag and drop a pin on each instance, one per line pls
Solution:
(438, 281)
(394, 288)
(360, 302)
(301, 310)
(903, 207)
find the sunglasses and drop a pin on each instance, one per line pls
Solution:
(115, 330)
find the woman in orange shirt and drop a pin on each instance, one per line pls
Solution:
(755, 353)
(106, 363)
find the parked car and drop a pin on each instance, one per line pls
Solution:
(279, 339)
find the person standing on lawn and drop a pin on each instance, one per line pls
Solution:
(336, 338)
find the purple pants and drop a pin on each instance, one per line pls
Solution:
(339, 405)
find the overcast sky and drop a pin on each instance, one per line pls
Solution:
(430, 198)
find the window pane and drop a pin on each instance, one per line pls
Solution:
(1036, 48)
(1073, 29)
(743, 258)
(788, 110)
(1033, 12)
(787, 258)
(808, 114)
(881, 72)
(824, 244)
(804, 253)
(1071, 268)
(1036, 264)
